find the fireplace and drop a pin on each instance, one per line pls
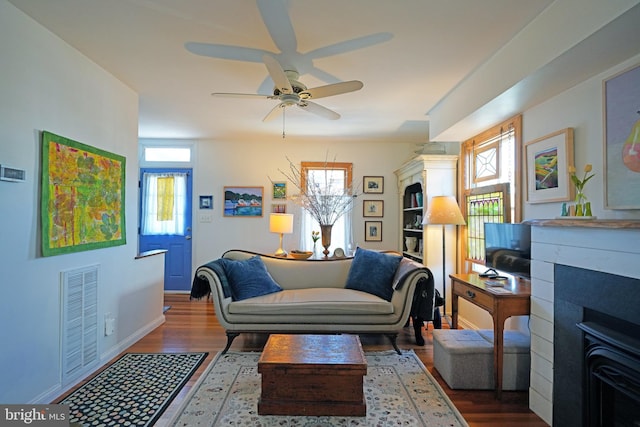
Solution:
(612, 361)
(596, 376)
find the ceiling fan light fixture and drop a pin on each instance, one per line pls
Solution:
(289, 99)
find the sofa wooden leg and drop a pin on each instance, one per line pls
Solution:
(230, 337)
(393, 337)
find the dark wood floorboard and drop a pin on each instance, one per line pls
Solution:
(192, 326)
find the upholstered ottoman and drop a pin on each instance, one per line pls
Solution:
(464, 358)
(516, 367)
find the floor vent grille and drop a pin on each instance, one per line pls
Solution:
(79, 321)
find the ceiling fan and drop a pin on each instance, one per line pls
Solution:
(289, 91)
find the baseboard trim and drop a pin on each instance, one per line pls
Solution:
(58, 390)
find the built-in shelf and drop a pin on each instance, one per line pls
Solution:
(413, 254)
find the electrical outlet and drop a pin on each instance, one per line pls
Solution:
(206, 217)
(109, 324)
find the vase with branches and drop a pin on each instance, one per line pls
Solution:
(326, 203)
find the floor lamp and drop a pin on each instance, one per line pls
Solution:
(282, 224)
(443, 210)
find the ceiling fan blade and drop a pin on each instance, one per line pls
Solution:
(276, 18)
(236, 53)
(350, 45)
(241, 95)
(275, 111)
(277, 74)
(330, 90)
(314, 108)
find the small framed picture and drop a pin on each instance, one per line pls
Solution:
(373, 184)
(206, 202)
(279, 190)
(373, 231)
(279, 208)
(373, 208)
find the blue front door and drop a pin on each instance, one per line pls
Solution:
(165, 222)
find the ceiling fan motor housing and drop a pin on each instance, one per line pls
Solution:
(297, 87)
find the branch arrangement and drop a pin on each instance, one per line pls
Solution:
(325, 203)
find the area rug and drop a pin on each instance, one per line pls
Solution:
(399, 391)
(134, 390)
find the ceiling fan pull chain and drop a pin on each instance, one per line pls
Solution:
(284, 112)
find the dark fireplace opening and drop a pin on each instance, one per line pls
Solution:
(612, 360)
(596, 376)
(618, 409)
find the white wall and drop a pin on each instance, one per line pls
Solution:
(580, 108)
(251, 163)
(47, 85)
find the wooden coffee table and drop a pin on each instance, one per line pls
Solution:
(312, 375)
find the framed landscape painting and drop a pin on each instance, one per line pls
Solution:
(243, 201)
(547, 161)
(82, 197)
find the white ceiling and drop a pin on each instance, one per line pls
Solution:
(408, 53)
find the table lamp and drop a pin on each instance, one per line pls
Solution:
(443, 210)
(283, 224)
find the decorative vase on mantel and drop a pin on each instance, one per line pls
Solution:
(325, 231)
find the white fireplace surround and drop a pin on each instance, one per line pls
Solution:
(609, 246)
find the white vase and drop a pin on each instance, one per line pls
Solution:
(410, 242)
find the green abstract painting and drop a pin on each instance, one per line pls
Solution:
(82, 204)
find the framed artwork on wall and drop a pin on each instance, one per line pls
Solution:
(243, 201)
(373, 184)
(279, 190)
(373, 231)
(547, 161)
(279, 208)
(206, 202)
(82, 197)
(621, 126)
(373, 208)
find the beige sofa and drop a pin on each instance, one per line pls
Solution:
(313, 298)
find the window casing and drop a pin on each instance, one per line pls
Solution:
(490, 184)
(336, 178)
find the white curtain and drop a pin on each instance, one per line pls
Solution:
(341, 236)
(163, 209)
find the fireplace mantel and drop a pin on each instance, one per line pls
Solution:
(587, 223)
(609, 246)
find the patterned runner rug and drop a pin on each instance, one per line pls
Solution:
(134, 390)
(399, 391)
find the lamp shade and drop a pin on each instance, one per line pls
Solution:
(443, 210)
(281, 223)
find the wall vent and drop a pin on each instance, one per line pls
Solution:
(79, 321)
(12, 174)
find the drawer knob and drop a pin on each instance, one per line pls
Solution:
(471, 294)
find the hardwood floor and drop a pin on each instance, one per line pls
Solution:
(192, 326)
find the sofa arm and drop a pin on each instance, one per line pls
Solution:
(214, 277)
(410, 279)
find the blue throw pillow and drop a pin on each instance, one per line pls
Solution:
(373, 272)
(249, 278)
